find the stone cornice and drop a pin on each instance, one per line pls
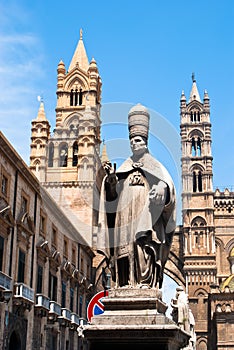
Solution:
(65, 184)
(18, 163)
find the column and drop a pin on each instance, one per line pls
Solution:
(208, 241)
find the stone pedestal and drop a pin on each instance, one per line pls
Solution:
(134, 319)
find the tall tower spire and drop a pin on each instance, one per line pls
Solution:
(104, 155)
(71, 157)
(194, 94)
(80, 56)
(40, 132)
(41, 116)
(197, 203)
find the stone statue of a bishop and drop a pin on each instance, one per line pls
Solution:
(137, 216)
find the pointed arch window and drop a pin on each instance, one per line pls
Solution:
(200, 181)
(191, 116)
(75, 154)
(199, 147)
(198, 227)
(71, 97)
(63, 155)
(199, 239)
(193, 147)
(76, 97)
(80, 97)
(194, 182)
(196, 147)
(195, 116)
(51, 155)
(197, 181)
(198, 116)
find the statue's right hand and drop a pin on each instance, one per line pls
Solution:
(111, 175)
(108, 168)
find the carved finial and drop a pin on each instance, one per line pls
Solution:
(81, 34)
(193, 77)
(40, 98)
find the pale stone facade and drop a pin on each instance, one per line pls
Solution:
(67, 161)
(208, 225)
(55, 233)
(44, 262)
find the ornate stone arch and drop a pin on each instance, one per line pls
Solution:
(77, 78)
(198, 233)
(39, 126)
(25, 229)
(75, 153)
(219, 253)
(196, 132)
(36, 164)
(195, 111)
(219, 242)
(195, 104)
(86, 126)
(197, 171)
(63, 154)
(196, 137)
(229, 246)
(50, 154)
(200, 292)
(198, 221)
(197, 166)
(71, 119)
(37, 143)
(201, 344)
(85, 141)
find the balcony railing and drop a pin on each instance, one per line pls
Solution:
(42, 301)
(66, 314)
(23, 291)
(55, 308)
(82, 321)
(5, 281)
(75, 319)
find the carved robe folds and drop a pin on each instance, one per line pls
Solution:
(135, 233)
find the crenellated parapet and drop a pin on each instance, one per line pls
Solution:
(224, 202)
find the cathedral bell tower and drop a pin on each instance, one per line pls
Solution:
(71, 158)
(197, 204)
(40, 133)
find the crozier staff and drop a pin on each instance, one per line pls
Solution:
(137, 212)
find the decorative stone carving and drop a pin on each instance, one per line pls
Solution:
(183, 316)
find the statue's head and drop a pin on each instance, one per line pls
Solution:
(138, 121)
(138, 145)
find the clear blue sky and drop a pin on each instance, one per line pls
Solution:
(146, 52)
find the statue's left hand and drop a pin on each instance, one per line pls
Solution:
(158, 193)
